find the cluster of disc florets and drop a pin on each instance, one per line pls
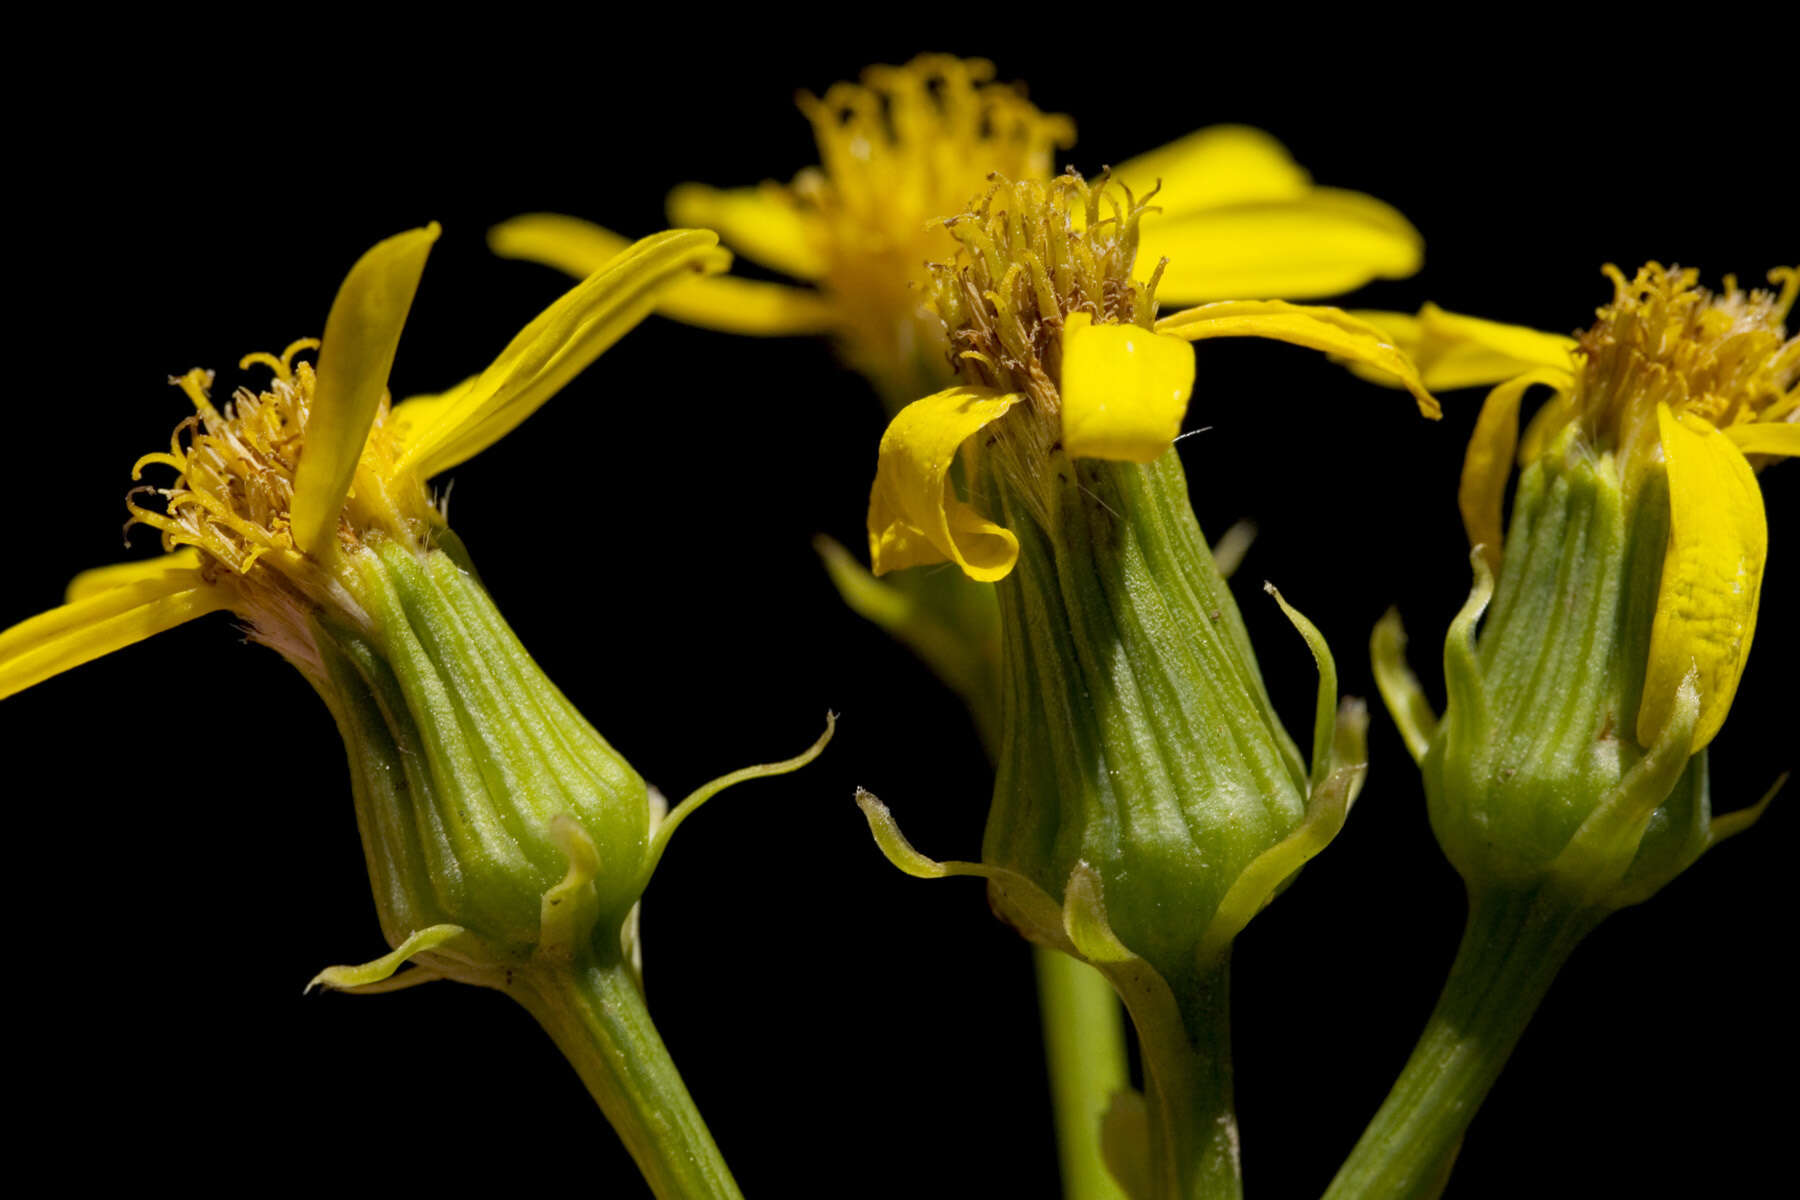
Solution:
(1032, 254)
(1665, 340)
(233, 493)
(913, 141)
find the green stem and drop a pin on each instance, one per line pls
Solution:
(1084, 1043)
(1513, 947)
(597, 1016)
(1188, 1089)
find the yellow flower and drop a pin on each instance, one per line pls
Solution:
(1062, 357)
(1674, 382)
(910, 145)
(275, 492)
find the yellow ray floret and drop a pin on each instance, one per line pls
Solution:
(1453, 350)
(1711, 579)
(724, 302)
(138, 604)
(915, 516)
(274, 490)
(1331, 330)
(555, 347)
(362, 333)
(1124, 390)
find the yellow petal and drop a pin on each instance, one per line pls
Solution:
(744, 306)
(1711, 578)
(1221, 164)
(554, 348)
(103, 579)
(915, 517)
(1318, 244)
(1124, 390)
(569, 244)
(1331, 330)
(748, 306)
(763, 223)
(1456, 351)
(1519, 346)
(1766, 438)
(1488, 463)
(355, 356)
(104, 619)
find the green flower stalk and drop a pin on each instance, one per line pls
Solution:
(1568, 775)
(507, 843)
(1148, 802)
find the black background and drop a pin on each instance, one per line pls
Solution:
(183, 850)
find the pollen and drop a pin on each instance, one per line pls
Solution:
(234, 470)
(1663, 339)
(897, 152)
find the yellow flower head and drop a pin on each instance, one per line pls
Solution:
(1671, 381)
(1059, 349)
(897, 152)
(277, 491)
(912, 144)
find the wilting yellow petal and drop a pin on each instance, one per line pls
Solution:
(1331, 330)
(1318, 244)
(1124, 390)
(96, 580)
(1488, 463)
(361, 335)
(1457, 351)
(104, 619)
(1766, 438)
(1518, 344)
(730, 305)
(553, 349)
(763, 223)
(1221, 164)
(915, 517)
(1711, 578)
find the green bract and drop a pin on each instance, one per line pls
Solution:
(1140, 744)
(1534, 776)
(1148, 802)
(487, 804)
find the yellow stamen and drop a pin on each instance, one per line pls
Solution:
(1665, 340)
(234, 486)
